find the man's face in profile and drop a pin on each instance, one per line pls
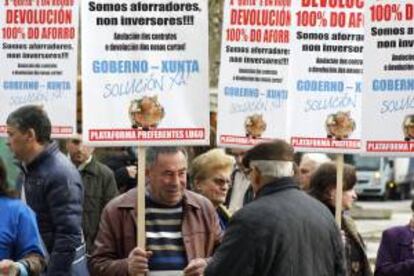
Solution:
(306, 169)
(18, 142)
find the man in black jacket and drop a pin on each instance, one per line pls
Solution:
(283, 231)
(51, 186)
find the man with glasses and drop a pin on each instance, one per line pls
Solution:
(283, 231)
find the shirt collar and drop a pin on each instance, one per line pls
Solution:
(82, 166)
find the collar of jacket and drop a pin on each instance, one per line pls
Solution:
(48, 150)
(349, 226)
(278, 185)
(221, 209)
(90, 168)
(130, 200)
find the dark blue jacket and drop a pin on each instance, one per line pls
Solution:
(53, 189)
(396, 253)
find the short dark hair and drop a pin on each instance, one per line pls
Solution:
(273, 150)
(153, 152)
(4, 187)
(31, 117)
(324, 180)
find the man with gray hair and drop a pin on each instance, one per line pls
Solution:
(283, 231)
(182, 228)
(309, 163)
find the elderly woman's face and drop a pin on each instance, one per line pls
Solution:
(215, 187)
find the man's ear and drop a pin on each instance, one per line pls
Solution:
(31, 135)
(255, 174)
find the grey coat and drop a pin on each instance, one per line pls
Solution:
(283, 232)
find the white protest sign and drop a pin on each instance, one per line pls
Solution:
(326, 75)
(145, 72)
(388, 99)
(38, 60)
(253, 72)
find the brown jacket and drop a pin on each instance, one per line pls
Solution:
(356, 265)
(117, 232)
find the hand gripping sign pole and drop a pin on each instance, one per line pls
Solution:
(141, 199)
(339, 187)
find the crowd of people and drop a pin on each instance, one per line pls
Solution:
(225, 212)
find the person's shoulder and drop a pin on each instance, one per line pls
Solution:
(59, 165)
(195, 197)
(350, 222)
(197, 200)
(396, 231)
(10, 202)
(310, 203)
(125, 200)
(102, 168)
(16, 205)
(309, 208)
(251, 211)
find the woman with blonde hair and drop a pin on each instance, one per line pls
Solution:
(210, 176)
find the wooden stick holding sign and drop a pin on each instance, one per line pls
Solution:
(339, 187)
(141, 198)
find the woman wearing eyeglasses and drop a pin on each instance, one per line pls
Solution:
(210, 175)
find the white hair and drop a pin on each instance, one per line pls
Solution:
(274, 168)
(317, 158)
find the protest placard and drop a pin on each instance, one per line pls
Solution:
(388, 100)
(145, 72)
(253, 72)
(38, 60)
(326, 75)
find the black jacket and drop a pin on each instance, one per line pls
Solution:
(282, 232)
(53, 189)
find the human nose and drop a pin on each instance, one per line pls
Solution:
(354, 195)
(176, 179)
